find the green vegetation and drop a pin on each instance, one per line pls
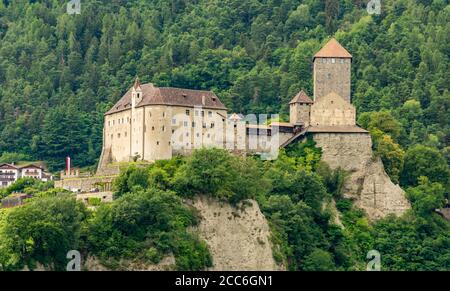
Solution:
(43, 231)
(147, 225)
(148, 220)
(59, 73)
(27, 186)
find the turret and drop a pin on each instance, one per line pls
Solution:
(136, 93)
(300, 109)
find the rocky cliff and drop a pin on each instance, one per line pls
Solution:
(368, 184)
(238, 237)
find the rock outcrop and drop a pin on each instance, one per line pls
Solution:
(238, 237)
(368, 184)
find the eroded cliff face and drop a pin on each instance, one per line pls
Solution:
(238, 237)
(368, 184)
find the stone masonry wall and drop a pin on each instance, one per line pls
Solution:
(368, 184)
(332, 75)
(84, 184)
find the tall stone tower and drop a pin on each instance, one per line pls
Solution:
(332, 71)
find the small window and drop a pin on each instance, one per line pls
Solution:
(212, 124)
(174, 121)
(164, 114)
(187, 133)
(118, 135)
(109, 123)
(157, 143)
(203, 113)
(163, 128)
(210, 113)
(196, 112)
(150, 114)
(193, 123)
(188, 112)
(153, 128)
(173, 131)
(208, 135)
(333, 60)
(204, 124)
(112, 136)
(198, 134)
(169, 142)
(185, 124)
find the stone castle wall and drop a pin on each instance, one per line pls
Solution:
(368, 184)
(332, 75)
(85, 184)
(332, 110)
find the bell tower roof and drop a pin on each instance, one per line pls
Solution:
(137, 83)
(333, 49)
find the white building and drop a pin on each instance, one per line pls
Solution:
(10, 173)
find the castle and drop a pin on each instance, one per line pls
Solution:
(150, 123)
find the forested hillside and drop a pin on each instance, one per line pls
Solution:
(149, 220)
(59, 73)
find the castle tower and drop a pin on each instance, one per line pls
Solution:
(332, 71)
(300, 109)
(136, 92)
(135, 121)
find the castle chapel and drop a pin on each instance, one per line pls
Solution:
(152, 123)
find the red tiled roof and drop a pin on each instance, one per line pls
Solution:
(169, 96)
(301, 97)
(333, 49)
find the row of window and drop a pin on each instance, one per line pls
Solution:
(193, 124)
(188, 112)
(333, 61)
(153, 128)
(198, 112)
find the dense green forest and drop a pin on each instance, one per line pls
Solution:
(148, 219)
(59, 73)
